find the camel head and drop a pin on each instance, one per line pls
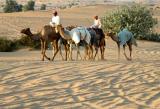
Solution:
(112, 36)
(25, 30)
(58, 28)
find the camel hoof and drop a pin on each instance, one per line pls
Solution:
(52, 59)
(130, 60)
(104, 59)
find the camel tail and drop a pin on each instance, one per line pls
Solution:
(134, 42)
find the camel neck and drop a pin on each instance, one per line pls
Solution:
(65, 34)
(33, 36)
(114, 38)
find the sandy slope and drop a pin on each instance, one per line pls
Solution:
(12, 23)
(26, 82)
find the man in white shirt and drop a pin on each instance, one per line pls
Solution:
(97, 23)
(55, 19)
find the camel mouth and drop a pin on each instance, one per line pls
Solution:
(22, 31)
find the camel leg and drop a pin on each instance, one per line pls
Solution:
(130, 50)
(96, 49)
(86, 53)
(70, 53)
(66, 52)
(44, 52)
(56, 49)
(103, 53)
(125, 52)
(90, 52)
(118, 51)
(101, 49)
(78, 52)
(60, 50)
(42, 49)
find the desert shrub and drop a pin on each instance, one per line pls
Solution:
(29, 6)
(152, 37)
(7, 45)
(138, 19)
(63, 7)
(43, 7)
(12, 6)
(26, 41)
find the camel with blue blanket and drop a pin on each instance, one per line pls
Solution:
(75, 35)
(124, 37)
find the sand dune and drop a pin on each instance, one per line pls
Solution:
(26, 82)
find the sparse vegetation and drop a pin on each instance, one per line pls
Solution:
(152, 37)
(136, 18)
(7, 45)
(12, 6)
(43, 7)
(29, 6)
(25, 41)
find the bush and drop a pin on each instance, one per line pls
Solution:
(7, 45)
(11, 45)
(138, 19)
(12, 6)
(43, 7)
(152, 37)
(25, 41)
(29, 6)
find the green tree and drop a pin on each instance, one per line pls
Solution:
(12, 6)
(29, 6)
(43, 7)
(138, 19)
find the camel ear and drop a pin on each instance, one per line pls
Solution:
(28, 29)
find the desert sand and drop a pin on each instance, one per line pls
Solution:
(28, 83)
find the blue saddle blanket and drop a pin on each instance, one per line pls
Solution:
(124, 36)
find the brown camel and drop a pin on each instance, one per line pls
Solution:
(128, 42)
(47, 34)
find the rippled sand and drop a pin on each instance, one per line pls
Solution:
(27, 82)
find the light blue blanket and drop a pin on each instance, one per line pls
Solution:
(80, 33)
(125, 36)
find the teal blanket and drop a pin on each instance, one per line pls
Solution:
(124, 36)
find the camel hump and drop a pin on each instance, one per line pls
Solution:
(48, 26)
(47, 29)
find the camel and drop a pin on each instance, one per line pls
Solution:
(47, 34)
(100, 37)
(75, 35)
(118, 39)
